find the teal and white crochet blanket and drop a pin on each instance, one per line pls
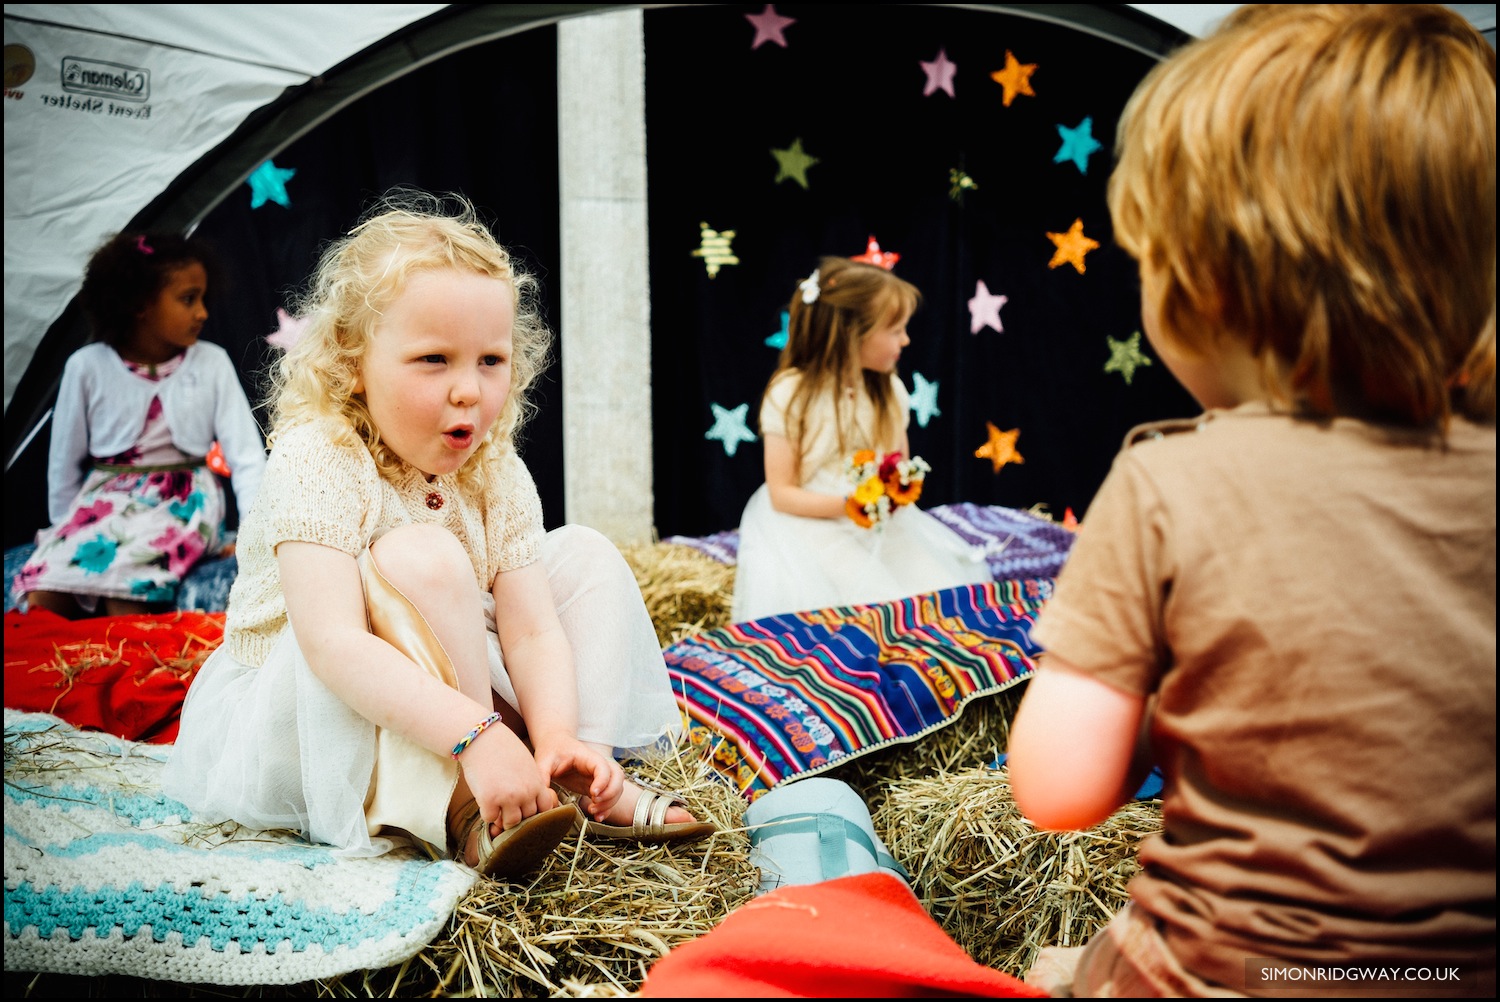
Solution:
(105, 875)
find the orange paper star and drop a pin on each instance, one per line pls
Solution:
(1015, 78)
(1071, 246)
(1001, 448)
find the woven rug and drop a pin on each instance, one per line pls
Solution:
(777, 699)
(103, 875)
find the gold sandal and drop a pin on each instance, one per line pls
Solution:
(520, 848)
(648, 823)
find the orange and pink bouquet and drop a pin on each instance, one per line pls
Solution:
(881, 485)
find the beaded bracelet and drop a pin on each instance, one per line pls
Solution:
(468, 738)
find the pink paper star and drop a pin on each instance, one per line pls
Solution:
(874, 255)
(769, 26)
(288, 332)
(939, 74)
(984, 309)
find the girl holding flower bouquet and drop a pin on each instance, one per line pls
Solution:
(834, 523)
(132, 501)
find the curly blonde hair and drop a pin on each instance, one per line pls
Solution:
(357, 279)
(1317, 182)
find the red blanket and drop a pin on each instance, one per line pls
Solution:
(856, 937)
(125, 675)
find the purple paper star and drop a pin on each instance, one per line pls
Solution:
(939, 74)
(984, 309)
(289, 330)
(769, 26)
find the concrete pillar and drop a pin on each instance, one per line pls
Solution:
(605, 328)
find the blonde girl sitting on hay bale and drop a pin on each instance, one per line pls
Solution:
(406, 650)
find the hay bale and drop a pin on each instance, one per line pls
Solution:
(686, 591)
(597, 915)
(999, 886)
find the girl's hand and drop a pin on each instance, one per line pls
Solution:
(574, 765)
(506, 781)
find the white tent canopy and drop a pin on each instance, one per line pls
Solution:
(107, 104)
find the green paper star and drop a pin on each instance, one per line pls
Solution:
(1125, 356)
(268, 184)
(793, 163)
(730, 428)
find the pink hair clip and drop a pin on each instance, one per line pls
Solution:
(142, 246)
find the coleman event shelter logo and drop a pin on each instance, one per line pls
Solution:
(101, 79)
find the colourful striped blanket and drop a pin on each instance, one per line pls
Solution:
(790, 696)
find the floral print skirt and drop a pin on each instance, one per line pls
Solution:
(129, 535)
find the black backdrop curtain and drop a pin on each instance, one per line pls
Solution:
(849, 85)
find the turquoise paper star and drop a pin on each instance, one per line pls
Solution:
(268, 184)
(923, 399)
(729, 427)
(1078, 144)
(1125, 356)
(779, 339)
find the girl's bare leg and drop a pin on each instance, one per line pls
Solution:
(429, 566)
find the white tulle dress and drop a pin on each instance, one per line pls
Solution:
(789, 563)
(270, 746)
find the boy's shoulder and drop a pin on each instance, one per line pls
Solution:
(1153, 431)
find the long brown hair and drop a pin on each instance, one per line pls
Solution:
(824, 337)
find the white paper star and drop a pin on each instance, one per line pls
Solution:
(730, 428)
(984, 309)
(923, 399)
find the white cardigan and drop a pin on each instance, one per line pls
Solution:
(101, 411)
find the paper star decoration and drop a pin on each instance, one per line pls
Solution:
(939, 74)
(793, 163)
(289, 330)
(923, 401)
(769, 26)
(714, 249)
(729, 427)
(1078, 144)
(958, 183)
(779, 339)
(874, 255)
(1071, 246)
(984, 309)
(1015, 78)
(1125, 356)
(268, 184)
(1001, 448)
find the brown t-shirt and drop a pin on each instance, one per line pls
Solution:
(1314, 605)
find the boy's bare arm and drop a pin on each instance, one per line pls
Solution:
(1076, 748)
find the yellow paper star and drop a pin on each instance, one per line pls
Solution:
(1071, 246)
(1015, 78)
(1001, 448)
(714, 249)
(793, 163)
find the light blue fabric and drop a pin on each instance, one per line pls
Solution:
(813, 830)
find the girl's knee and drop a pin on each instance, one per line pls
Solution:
(578, 553)
(422, 557)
